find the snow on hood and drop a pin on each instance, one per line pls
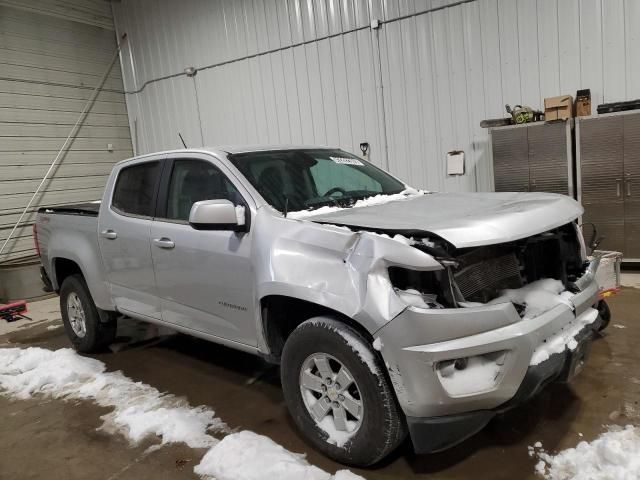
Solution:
(463, 219)
(365, 202)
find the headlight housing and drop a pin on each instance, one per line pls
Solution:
(422, 289)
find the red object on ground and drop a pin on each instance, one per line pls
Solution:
(13, 311)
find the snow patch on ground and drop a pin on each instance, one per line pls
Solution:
(366, 202)
(139, 410)
(614, 455)
(619, 325)
(538, 296)
(248, 456)
(565, 338)
(479, 376)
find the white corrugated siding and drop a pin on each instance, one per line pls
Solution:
(89, 12)
(312, 71)
(48, 67)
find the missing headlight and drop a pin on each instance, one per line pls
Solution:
(422, 289)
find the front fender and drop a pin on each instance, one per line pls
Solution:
(338, 268)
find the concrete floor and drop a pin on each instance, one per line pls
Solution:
(56, 439)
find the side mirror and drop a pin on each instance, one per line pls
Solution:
(217, 215)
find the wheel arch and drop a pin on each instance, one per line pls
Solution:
(63, 268)
(281, 314)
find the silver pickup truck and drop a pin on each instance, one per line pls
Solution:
(390, 310)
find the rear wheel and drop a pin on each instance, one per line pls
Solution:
(89, 329)
(338, 395)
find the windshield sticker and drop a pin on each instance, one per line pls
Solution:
(347, 161)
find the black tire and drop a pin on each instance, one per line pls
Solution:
(382, 427)
(100, 325)
(605, 315)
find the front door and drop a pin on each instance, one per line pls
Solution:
(124, 226)
(204, 278)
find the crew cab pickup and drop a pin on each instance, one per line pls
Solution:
(390, 310)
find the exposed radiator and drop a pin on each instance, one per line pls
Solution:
(481, 281)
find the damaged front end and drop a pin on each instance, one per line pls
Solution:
(480, 275)
(492, 327)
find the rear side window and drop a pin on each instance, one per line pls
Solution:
(135, 189)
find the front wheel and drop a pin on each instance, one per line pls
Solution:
(88, 332)
(605, 314)
(338, 395)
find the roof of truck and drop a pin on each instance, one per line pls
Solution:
(260, 148)
(232, 149)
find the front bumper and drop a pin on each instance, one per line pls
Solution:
(439, 433)
(418, 340)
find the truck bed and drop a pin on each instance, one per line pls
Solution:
(84, 209)
(65, 230)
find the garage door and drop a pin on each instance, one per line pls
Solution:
(48, 67)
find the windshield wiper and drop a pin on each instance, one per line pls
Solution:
(312, 205)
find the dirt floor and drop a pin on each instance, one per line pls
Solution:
(56, 439)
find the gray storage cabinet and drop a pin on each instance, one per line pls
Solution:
(534, 157)
(608, 173)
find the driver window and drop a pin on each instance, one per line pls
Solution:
(195, 180)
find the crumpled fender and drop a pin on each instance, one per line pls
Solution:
(333, 266)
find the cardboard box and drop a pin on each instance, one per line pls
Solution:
(558, 108)
(583, 103)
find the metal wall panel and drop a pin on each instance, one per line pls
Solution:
(48, 67)
(89, 12)
(312, 71)
(632, 185)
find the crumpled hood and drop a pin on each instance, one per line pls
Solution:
(464, 219)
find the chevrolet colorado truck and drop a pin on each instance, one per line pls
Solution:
(391, 311)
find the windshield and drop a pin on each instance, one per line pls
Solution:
(292, 180)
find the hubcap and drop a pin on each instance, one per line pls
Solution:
(330, 393)
(75, 312)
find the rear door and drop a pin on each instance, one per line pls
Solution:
(123, 234)
(204, 277)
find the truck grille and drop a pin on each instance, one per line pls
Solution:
(482, 280)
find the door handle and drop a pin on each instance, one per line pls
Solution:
(110, 234)
(163, 242)
(618, 186)
(628, 187)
